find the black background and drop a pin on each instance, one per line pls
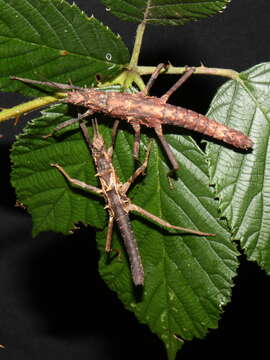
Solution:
(52, 302)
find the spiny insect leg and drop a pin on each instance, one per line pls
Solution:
(69, 122)
(77, 183)
(138, 171)
(137, 140)
(164, 98)
(153, 78)
(168, 150)
(163, 223)
(109, 234)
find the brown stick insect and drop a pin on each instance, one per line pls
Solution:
(141, 109)
(117, 202)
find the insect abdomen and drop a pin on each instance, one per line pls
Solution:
(125, 228)
(175, 115)
(132, 249)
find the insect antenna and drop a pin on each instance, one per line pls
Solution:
(86, 134)
(55, 85)
(95, 127)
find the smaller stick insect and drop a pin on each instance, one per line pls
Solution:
(117, 202)
(141, 109)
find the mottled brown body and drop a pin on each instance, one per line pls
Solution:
(141, 109)
(151, 111)
(117, 204)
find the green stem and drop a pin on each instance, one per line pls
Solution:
(229, 73)
(22, 109)
(137, 46)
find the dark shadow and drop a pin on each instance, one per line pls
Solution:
(64, 291)
(246, 311)
(7, 193)
(63, 281)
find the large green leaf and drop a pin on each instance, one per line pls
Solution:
(54, 40)
(164, 12)
(188, 278)
(242, 179)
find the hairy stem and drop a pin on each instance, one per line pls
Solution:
(22, 109)
(229, 73)
(137, 46)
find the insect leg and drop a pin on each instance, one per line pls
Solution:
(69, 122)
(136, 146)
(77, 183)
(163, 223)
(109, 234)
(114, 132)
(109, 238)
(138, 171)
(153, 78)
(164, 98)
(167, 149)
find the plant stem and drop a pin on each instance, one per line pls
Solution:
(229, 73)
(22, 109)
(137, 46)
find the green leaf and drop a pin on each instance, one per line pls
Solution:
(242, 179)
(54, 40)
(162, 12)
(188, 278)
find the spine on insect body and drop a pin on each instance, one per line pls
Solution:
(191, 120)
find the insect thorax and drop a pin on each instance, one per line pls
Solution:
(90, 98)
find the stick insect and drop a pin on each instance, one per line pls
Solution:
(117, 202)
(141, 109)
